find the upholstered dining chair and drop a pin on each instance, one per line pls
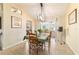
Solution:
(33, 44)
(40, 43)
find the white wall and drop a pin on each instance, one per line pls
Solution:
(72, 37)
(11, 36)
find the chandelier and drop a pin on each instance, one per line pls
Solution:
(41, 15)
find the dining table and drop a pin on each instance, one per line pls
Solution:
(44, 37)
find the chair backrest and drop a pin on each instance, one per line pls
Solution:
(33, 38)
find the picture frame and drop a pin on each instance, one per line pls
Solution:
(16, 22)
(72, 17)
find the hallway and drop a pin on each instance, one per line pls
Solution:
(22, 49)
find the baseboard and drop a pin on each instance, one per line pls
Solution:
(12, 45)
(71, 48)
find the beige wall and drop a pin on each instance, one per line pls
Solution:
(13, 36)
(61, 21)
(72, 37)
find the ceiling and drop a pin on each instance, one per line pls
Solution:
(49, 9)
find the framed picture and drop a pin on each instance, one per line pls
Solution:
(29, 25)
(16, 22)
(72, 17)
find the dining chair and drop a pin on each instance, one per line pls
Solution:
(33, 43)
(40, 43)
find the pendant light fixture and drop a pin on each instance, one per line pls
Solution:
(41, 16)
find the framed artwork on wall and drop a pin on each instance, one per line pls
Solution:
(16, 22)
(72, 17)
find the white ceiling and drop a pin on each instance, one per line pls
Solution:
(50, 9)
